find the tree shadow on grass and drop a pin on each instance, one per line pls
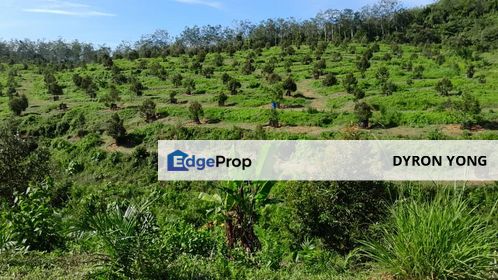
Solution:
(489, 125)
(300, 95)
(132, 140)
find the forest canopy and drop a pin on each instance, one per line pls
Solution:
(457, 23)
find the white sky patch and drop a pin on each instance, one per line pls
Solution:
(212, 4)
(66, 8)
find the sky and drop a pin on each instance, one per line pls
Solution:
(109, 22)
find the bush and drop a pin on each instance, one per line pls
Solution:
(18, 104)
(115, 128)
(33, 222)
(31, 162)
(389, 118)
(148, 110)
(444, 86)
(436, 239)
(330, 80)
(339, 213)
(388, 88)
(196, 112)
(363, 112)
(350, 83)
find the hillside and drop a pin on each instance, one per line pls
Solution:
(79, 196)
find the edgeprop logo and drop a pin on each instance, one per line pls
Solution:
(179, 161)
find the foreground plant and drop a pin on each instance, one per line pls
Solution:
(440, 239)
(130, 238)
(237, 205)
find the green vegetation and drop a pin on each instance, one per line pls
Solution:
(79, 196)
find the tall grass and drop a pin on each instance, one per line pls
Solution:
(437, 239)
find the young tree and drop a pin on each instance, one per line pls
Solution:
(18, 104)
(218, 60)
(358, 93)
(148, 110)
(274, 119)
(330, 80)
(77, 80)
(248, 68)
(189, 85)
(382, 74)
(55, 89)
(290, 86)
(115, 128)
(288, 66)
(137, 87)
(237, 205)
(307, 60)
(273, 78)
(177, 80)
(444, 87)
(234, 86)
(268, 68)
(388, 88)
(225, 78)
(350, 83)
(471, 110)
(196, 112)
(208, 72)
(363, 112)
(363, 64)
(172, 97)
(277, 93)
(222, 98)
(471, 70)
(112, 97)
(418, 72)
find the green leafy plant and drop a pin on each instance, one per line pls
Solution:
(236, 206)
(130, 238)
(33, 222)
(436, 239)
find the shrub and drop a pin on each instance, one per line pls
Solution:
(339, 213)
(363, 112)
(274, 119)
(388, 88)
(389, 118)
(418, 72)
(32, 221)
(225, 78)
(350, 83)
(148, 110)
(196, 111)
(234, 86)
(437, 239)
(444, 86)
(289, 86)
(471, 71)
(222, 98)
(330, 80)
(177, 80)
(382, 74)
(115, 128)
(273, 78)
(18, 104)
(172, 97)
(189, 85)
(137, 87)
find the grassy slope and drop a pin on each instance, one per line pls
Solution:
(419, 105)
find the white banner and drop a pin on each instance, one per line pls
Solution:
(306, 160)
